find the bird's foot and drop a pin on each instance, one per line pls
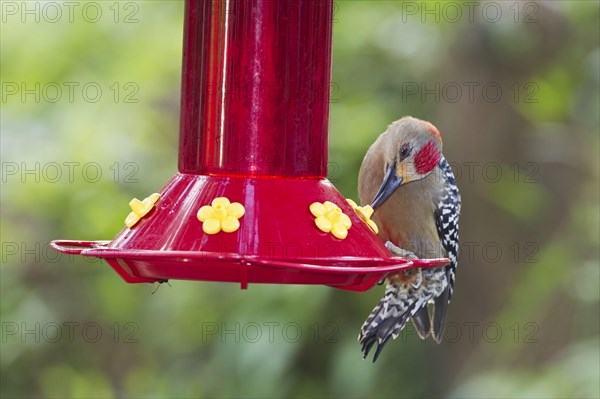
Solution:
(397, 251)
(412, 276)
(415, 276)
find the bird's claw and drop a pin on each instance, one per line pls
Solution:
(418, 279)
(397, 251)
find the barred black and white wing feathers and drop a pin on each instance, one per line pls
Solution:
(446, 220)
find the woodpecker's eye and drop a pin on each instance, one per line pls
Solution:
(405, 151)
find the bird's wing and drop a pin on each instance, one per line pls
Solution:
(446, 220)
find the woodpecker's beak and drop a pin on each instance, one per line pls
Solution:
(391, 182)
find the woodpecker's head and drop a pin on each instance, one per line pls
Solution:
(411, 150)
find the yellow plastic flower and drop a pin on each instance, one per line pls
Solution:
(140, 209)
(221, 215)
(364, 212)
(329, 218)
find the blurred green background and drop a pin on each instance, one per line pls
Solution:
(89, 120)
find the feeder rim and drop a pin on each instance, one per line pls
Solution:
(375, 264)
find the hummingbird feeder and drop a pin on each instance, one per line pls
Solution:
(251, 202)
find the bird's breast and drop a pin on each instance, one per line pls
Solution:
(407, 220)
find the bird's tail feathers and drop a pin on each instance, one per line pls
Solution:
(439, 314)
(422, 322)
(387, 319)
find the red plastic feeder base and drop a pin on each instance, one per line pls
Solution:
(277, 241)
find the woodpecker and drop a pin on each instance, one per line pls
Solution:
(411, 187)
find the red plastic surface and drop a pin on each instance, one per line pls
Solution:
(254, 114)
(277, 241)
(255, 87)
